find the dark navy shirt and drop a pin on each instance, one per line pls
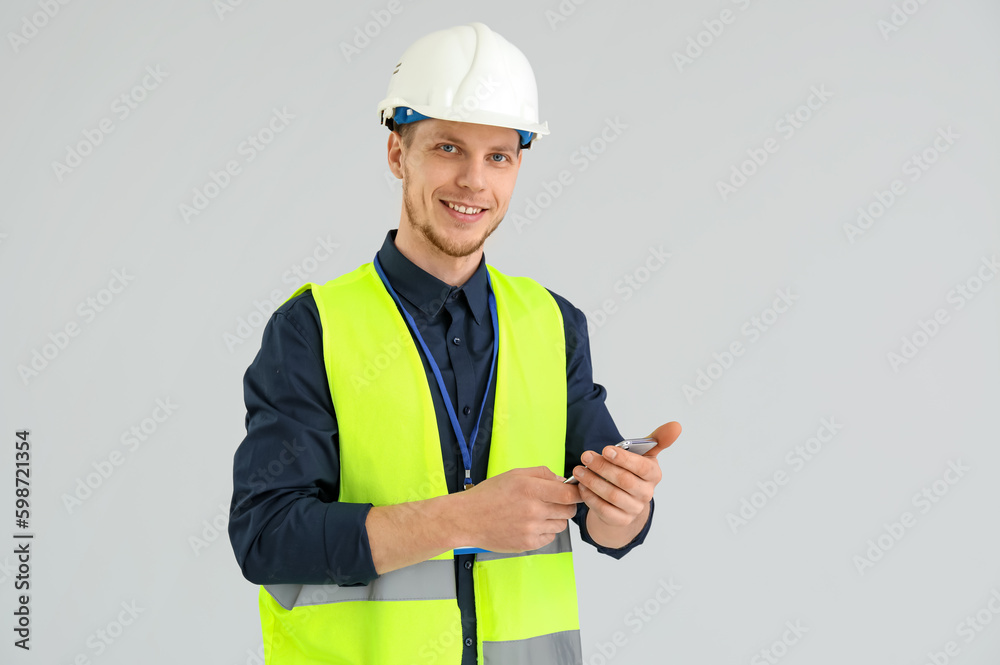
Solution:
(286, 525)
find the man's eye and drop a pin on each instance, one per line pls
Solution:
(446, 147)
(497, 157)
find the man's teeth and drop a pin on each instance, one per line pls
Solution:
(463, 209)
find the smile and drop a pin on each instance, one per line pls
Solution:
(465, 210)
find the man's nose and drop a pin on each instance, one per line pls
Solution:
(473, 174)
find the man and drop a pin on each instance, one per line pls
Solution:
(399, 492)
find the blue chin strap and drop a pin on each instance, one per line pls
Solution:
(404, 115)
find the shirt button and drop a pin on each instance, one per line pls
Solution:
(468, 565)
(457, 341)
(468, 641)
(466, 410)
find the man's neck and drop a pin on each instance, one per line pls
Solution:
(455, 271)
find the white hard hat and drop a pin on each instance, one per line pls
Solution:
(465, 74)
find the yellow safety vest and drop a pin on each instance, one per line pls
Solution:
(390, 453)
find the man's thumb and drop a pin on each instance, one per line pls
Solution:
(542, 472)
(665, 435)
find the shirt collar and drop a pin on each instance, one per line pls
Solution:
(426, 291)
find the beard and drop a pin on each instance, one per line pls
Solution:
(444, 244)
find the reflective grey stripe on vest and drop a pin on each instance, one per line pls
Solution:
(429, 580)
(553, 649)
(562, 543)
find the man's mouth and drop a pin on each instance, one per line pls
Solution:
(465, 210)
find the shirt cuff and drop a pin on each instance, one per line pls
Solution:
(616, 552)
(348, 551)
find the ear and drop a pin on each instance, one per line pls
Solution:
(394, 154)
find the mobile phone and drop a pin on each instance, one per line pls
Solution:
(637, 446)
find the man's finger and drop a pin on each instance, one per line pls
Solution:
(608, 490)
(559, 493)
(629, 461)
(607, 511)
(614, 471)
(555, 526)
(665, 435)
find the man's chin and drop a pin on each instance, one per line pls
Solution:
(458, 248)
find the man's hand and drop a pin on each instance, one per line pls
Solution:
(519, 510)
(618, 485)
(522, 509)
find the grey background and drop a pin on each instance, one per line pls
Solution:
(146, 534)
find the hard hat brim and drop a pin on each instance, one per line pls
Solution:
(388, 106)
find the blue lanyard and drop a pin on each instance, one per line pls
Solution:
(466, 448)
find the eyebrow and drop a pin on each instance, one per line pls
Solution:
(449, 138)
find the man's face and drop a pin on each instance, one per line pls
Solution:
(446, 165)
